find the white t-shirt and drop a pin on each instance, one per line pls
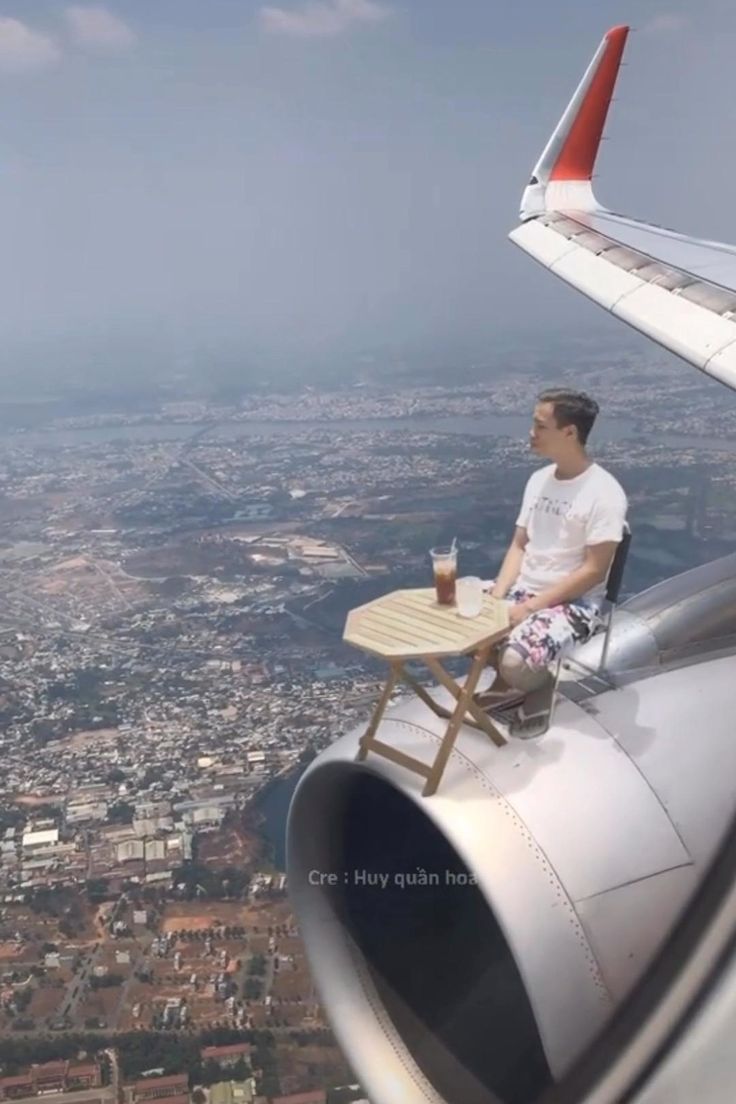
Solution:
(562, 516)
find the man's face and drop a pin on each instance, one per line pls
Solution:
(546, 437)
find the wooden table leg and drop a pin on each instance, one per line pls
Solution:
(480, 717)
(367, 737)
(464, 696)
(425, 696)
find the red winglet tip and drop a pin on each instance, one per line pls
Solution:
(577, 157)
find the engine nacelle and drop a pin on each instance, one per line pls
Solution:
(477, 940)
(677, 616)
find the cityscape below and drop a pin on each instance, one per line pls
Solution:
(175, 576)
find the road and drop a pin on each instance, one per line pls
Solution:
(138, 962)
(340, 509)
(78, 985)
(110, 582)
(208, 480)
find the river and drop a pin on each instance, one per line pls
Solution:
(482, 425)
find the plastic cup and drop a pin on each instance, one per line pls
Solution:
(469, 596)
(444, 565)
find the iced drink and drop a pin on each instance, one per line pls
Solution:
(469, 596)
(444, 563)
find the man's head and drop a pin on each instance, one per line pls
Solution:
(562, 421)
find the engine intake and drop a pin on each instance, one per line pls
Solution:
(422, 937)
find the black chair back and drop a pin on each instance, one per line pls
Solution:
(618, 563)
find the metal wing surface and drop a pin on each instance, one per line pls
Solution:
(678, 290)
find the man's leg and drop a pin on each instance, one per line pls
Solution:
(502, 690)
(534, 647)
(538, 687)
(517, 672)
(511, 681)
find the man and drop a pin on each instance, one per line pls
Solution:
(554, 572)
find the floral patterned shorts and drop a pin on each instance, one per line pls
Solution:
(541, 638)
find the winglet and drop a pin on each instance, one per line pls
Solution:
(562, 175)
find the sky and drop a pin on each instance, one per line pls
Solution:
(328, 174)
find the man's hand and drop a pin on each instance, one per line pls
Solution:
(519, 612)
(493, 589)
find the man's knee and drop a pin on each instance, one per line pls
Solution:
(517, 673)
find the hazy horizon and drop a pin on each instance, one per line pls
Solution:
(315, 179)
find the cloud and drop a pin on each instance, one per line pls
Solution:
(23, 50)
(97, 28)
(322, 18)
(667, 21)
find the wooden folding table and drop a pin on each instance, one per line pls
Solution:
(410, 625)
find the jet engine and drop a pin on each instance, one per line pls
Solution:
(468, 946)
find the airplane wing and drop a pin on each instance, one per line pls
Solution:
(679, 291)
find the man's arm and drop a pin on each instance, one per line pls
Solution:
(592, 571)
(511, 565)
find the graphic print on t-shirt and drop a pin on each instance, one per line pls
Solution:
(543, 504)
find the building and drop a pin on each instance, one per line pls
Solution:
(155, 850)
(203, 815)
(149, 826)
(226, 1056)
(98, 1095)
(130, 850)
(12, 1088)
(51, 1077)
(47, 837)
(152, 810)
(175, 1086)
(86, 811)
(83, 1075)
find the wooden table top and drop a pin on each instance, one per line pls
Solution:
(409, 623)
